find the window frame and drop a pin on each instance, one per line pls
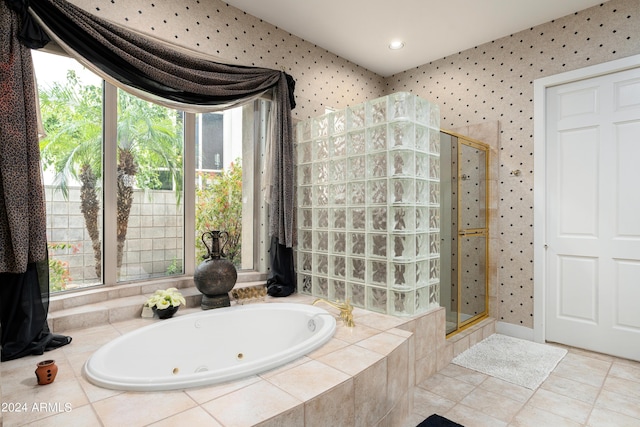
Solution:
(254, 129)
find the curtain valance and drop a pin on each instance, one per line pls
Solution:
(191, 83)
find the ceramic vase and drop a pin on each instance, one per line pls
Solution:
(46, 371)
(215, 276)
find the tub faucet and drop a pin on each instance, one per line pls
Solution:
(346, 310)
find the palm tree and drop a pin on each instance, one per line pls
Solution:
(148, 141)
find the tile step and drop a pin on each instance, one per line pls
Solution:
(100, 306)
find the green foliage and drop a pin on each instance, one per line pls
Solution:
(154, 134)
(219, 207)
(59, 276)
(175, 267)
(149, 138)
(72, 118)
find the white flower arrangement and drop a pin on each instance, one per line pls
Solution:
(162, 299)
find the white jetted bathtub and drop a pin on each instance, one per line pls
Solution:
(210, 347)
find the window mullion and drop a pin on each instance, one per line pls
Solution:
(109, 184)
(189, 186)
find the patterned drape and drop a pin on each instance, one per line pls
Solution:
(24, 268)
(22, 206)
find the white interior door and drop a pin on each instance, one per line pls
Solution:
(592, 236)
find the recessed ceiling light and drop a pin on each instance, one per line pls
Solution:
(396, 44)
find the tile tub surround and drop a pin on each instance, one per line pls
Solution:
(363, 377)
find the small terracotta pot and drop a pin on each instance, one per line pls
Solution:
(46, 371)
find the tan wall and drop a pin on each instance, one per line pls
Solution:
(494, 81)
(490, 82)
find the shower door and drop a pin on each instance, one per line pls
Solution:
(464, 231)
(472, 231)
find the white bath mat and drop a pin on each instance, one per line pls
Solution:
(517, 361)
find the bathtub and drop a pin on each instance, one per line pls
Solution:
(210, 347)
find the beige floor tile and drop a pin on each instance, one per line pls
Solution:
(626, 371)
(583, 369)
(140, 409)
(383, 343)
(623, 386)
(601, 417)
(95, 393)
(413, 420)
(309, 380)
(492, 404)
(531, 416)
(77, 361)
(90, 339)
(19, 375)
(353, 335)
(378, 321)
(351, 360)
(570, 388)
(205, 394)
(470, 417)
(451, 388)
(426, 403)
(251, 405)
(130, 325)
(563, 406)
(275, 371)
(463, 374)
(331, 346)
(620, 361)
(590, 354)
(83, 416)
(584, 386)
(191, 417)
(29, 361)
(507, 389)
(622, 403)
(62, 393)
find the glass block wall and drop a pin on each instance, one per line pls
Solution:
(368, 198)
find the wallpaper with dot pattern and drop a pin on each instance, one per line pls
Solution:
(494, 81)
(490, 82)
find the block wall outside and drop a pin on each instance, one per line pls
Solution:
(368, 197)
(154, 242)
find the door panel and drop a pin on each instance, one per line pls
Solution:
(578, 302)
(593, 214)
(472, 187)
(627, 294)
(628, 177)
(473, 280)
(577, 179)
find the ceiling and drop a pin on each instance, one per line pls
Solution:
(361, 30)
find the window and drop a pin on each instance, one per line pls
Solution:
(126, 210)
(149, 220)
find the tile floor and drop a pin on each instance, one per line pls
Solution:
(585, 389)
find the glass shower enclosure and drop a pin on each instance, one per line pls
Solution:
(464, 230)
